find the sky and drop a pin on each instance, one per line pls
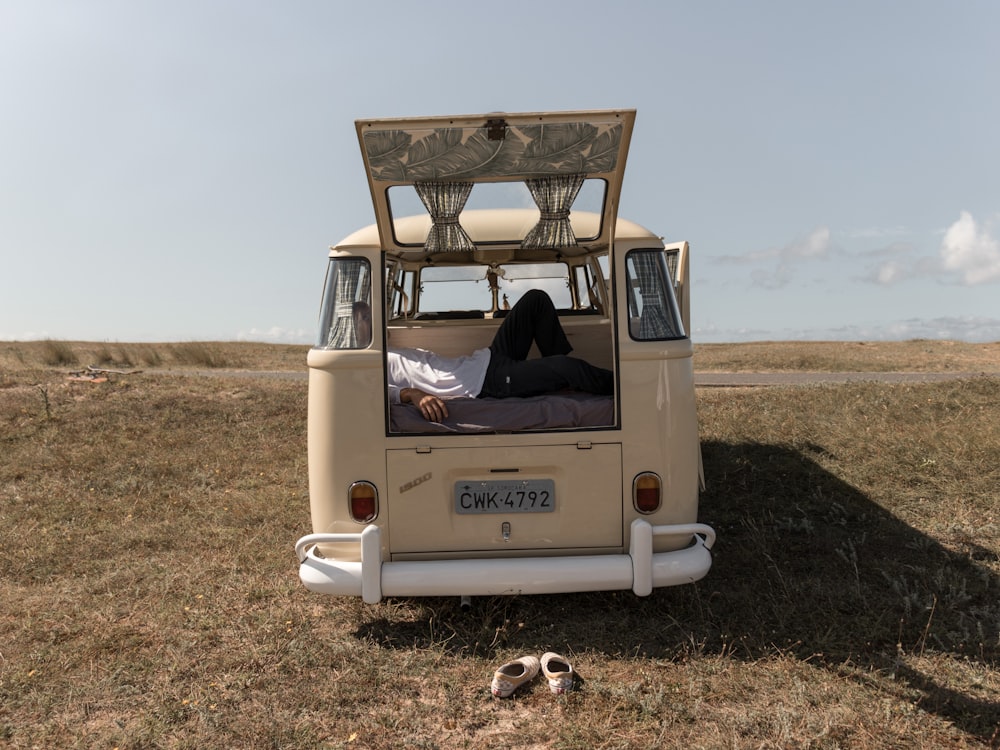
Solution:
(176, 171)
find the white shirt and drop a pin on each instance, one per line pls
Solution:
(444, 377)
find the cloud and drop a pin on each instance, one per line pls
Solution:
(893, 250)
(970, 329)
(971, 252)
(973, 329)
(868, 233)
(816, 244)
(26, 336)
(775, 264)
(772, 278)
(892, 271)
(276, 335)
(969, 255)
(896, 263)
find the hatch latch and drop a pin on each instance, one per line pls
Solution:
(496, 129)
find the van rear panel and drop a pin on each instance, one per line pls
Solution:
(505, 499)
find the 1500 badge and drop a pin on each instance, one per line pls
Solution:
(413, 483)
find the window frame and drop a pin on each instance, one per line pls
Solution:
(636, 298)
(337, 325)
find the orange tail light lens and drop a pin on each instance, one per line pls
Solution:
(363, 501)
(646, 493)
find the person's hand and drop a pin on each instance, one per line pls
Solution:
(431, 407)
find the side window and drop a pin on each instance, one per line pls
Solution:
(346, 316)
(583, 289)
(398, 290)
(652, 309)
(588, 286)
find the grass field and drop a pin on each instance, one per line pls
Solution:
(150, 596)
(884, 356)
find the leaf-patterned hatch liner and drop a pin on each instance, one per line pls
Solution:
(495, 147)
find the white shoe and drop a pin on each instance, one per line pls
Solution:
(558, 671)
(513, 674)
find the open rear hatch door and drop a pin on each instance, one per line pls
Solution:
(442, 163)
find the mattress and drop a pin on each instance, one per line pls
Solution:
(559, 411)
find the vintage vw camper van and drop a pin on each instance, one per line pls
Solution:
(554, 492)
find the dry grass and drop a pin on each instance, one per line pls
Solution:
(889, 356)
(151, 599)
(850, 356)
(45, 355)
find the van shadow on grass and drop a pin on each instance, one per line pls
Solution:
(805, 565)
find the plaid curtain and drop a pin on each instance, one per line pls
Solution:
(554, 197)
(352, 283)
(444, 201)
(650, 273)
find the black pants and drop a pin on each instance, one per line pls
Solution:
(510, 373)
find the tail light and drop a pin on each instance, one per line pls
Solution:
(646, 492)
(363, 501)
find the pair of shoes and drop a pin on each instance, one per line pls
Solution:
(512, 675)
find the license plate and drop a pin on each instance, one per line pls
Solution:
(506, 496)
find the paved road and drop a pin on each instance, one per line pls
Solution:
(750, 379)
(701, 379)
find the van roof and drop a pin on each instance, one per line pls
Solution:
(489, 227)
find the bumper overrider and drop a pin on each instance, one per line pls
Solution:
(640, 569)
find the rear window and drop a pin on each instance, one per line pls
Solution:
(450, 288)
(404, 201)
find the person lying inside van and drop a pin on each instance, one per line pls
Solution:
(427, 380)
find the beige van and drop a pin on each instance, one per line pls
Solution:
(553, 492)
